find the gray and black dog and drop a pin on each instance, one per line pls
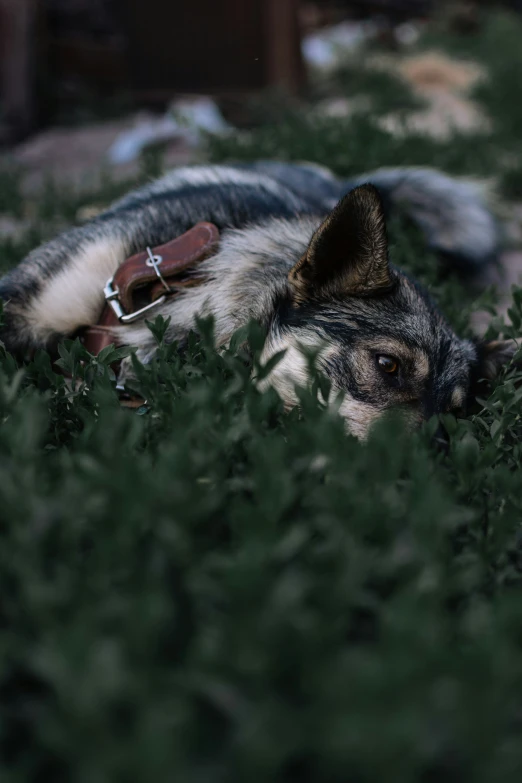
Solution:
(300, 251)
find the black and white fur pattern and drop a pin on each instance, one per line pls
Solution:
(346, 301)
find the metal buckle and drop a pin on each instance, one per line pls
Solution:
(112, 295)
(155, 261)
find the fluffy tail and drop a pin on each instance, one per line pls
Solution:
(452, 213)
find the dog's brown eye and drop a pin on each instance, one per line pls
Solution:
(387, 364)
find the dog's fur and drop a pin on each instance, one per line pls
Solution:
(303, 253)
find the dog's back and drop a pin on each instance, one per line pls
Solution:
(58, 287)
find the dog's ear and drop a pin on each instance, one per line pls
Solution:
(494, 355)
(348, 254)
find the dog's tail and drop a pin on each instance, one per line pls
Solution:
(453, 214)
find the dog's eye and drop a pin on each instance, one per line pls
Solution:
(387, 364)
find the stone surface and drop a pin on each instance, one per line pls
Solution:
(78, 155)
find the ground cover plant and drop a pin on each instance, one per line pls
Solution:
(209, 589)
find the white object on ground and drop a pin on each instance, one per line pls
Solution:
(407, 33)
(325, 48)
(185, 120)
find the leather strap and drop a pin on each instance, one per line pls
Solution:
(177, 256)
(138, 277)
(96, 338)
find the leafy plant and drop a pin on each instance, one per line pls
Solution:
(211, 588)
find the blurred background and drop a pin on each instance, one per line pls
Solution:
(93, 83)
(97, 96)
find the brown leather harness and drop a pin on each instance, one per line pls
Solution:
(146, 280)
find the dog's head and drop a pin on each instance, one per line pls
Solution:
(380, 338)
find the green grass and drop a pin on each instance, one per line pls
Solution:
(11, 201)
(354, 145)
(211, 589)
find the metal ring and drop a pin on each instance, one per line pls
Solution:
(153, 260)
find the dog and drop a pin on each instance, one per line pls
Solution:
(300, 251)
